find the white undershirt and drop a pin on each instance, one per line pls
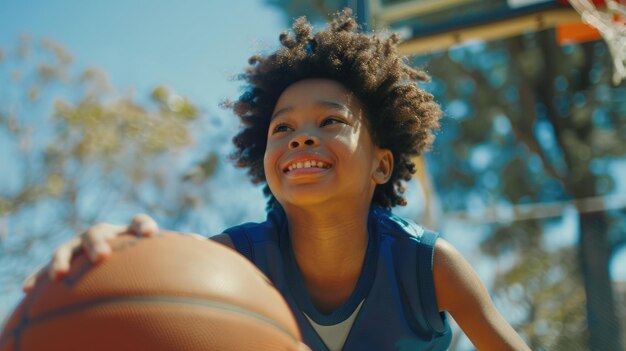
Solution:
(334, 336)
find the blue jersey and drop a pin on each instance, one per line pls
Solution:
(393, 306)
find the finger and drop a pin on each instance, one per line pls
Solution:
(95, 241)
(29, 283)
(60, 264)
(143, 225)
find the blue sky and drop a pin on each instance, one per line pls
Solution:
(193, 46)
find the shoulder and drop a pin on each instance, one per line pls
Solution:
(223, 239)
(389, 224)
(245, 237)
(456, 281)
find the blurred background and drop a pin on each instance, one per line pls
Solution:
(112, 108)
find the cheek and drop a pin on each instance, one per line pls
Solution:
(353, 144)
(346, 142)
(267, 162)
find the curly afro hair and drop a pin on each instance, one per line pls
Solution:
(401, 116)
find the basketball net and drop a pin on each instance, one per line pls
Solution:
(610, 20)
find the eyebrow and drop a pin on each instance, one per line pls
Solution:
(323, 103)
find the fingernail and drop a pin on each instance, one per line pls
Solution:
(102, 248)
(100, 251)
(143, 226)
(146, 228)
(58, 269)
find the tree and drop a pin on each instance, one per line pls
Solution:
(535, 122)
(76, 152)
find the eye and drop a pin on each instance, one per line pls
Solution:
(280, 128)
(332, 120)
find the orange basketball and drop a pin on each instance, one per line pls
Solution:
(169, 292)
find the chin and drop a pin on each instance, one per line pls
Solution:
(305, 199)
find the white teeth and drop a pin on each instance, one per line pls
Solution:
(307, 164)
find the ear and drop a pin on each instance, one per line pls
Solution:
(383, 170)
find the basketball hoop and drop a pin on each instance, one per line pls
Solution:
(609, 17)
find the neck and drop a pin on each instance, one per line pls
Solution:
(328, 235)
(329, 245)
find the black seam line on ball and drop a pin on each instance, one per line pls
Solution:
(151, 299)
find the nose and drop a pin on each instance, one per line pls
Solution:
(303, 139)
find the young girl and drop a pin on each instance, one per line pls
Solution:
(331, 121)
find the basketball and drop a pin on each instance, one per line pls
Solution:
(168, 292)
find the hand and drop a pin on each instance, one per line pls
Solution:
(95, 242)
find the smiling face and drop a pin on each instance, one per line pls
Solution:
(319, 149)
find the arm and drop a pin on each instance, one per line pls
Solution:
(460, 291)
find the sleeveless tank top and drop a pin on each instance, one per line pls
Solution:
(393, 305)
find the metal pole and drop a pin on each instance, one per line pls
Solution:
(360, 9)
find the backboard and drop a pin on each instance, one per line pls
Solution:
(433, 25)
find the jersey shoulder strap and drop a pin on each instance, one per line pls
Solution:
(425, 255)
(241, 241)
(414, 253)
(246, 236)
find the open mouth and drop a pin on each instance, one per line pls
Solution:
(306, 164)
